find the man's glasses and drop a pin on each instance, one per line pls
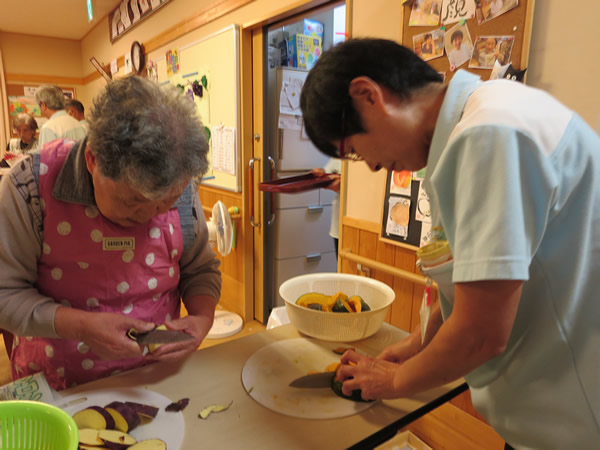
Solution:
(341, 154)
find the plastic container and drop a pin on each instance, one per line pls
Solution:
(433, 254)
(333, 326)
(26, 424)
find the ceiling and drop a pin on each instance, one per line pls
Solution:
(52, 18)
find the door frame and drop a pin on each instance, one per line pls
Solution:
(252, 65)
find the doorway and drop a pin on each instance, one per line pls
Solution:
(291, 231)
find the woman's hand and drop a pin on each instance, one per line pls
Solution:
(335, 177)
(196, 326)
(201, 309)
(104, 333)
(374, 377)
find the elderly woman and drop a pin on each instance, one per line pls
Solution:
(25, 128)
(119, 240)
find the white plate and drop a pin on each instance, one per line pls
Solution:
(268, 372)
(168, 426)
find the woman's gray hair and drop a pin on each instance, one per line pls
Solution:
(51, 95)
(24, 119)
(147, 135)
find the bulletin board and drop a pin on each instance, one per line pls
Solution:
(516, 22)
(406, 215)
(214, 62)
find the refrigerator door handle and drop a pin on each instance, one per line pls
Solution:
(251, 191)
(272, 200)
(314, 208)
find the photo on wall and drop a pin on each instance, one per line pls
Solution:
(425, 13)
(398, 216)
(489, 49)
(429, 45)
(490, 9)
(459, 46)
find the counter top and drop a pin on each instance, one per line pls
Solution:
(213, 376)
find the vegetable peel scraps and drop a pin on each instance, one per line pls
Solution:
(213, 408)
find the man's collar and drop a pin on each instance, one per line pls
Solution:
(459, 90)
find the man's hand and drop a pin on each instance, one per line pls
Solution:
(374, 377)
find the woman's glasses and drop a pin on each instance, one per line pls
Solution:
(351, 156)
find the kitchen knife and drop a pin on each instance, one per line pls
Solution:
(313, 381)
(158, 336)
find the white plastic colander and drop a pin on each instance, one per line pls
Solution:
(333, 326)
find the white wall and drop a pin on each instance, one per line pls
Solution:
(565, 54)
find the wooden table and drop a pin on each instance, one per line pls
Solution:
(213, 376)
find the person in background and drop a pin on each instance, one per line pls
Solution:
(120, 239)
(333, 169)
(488, 54)
(513, 178)
(427, 47)
(460, 52)
(25, 127)
(59, 125)
(76, 110)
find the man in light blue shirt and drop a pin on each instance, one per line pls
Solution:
(60, 125)
(514, 182)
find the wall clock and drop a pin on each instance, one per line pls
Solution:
(138, 58)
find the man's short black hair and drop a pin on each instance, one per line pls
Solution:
(325, 93)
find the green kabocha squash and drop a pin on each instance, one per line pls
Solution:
(336, 386)
(341, 306)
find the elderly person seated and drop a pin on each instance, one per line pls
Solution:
(107, 234)
(25, 128)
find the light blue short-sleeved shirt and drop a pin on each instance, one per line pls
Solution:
(514, 181)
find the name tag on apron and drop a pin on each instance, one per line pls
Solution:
(118, 243)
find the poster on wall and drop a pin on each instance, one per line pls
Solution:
(172, 58)
(403, 197)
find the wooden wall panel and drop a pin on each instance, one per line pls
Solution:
(385, 254)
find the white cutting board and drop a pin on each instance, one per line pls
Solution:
(168, 426)
(268, 372)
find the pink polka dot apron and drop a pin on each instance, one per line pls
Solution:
(92, 264)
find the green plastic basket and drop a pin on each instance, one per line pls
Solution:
(34, 425)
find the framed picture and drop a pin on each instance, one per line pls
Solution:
(128, 13)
